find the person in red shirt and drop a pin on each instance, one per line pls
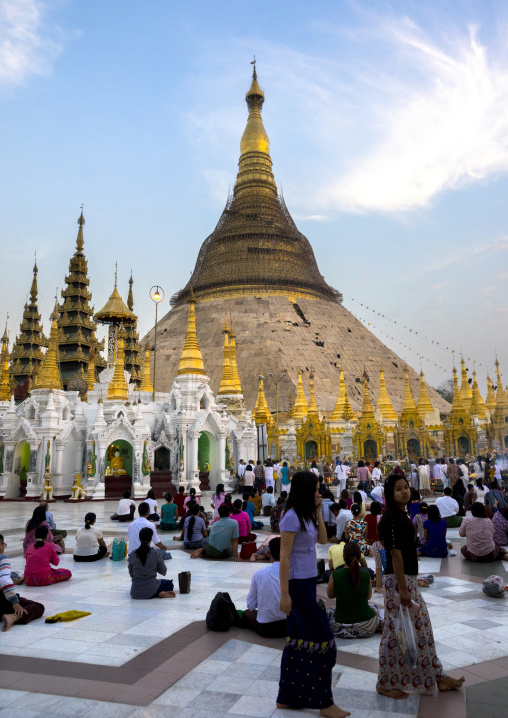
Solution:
(179, 499)
(39, 557)
(372, 520)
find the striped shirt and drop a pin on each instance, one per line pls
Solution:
(6, 584)
(145, 583)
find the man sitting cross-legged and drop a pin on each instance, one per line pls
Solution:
(13, 608)
(140, 523)
(263, 614)
(223, 539)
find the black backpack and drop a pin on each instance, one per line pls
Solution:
(222, 613)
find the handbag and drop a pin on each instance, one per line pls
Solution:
(119, 549)
(248, 549)
(184, 581)
(222, 613)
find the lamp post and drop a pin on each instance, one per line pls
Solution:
(277, 382)
(157, 296)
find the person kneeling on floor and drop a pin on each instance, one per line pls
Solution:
(223, 539)
(14, 608)
(263, 614)
(144, 565)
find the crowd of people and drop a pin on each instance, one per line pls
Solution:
(389, 521)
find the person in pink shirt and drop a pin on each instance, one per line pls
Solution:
(244, 526)
(479, 532)
(191, 497)
(39, 557)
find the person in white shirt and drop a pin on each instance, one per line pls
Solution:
(444, 474)
(376, 474)
(346, 470)
(436, 470)
(343, 517)
(449, 508)
(126, 508)
(328, 517)
(269, 474)
(152, 502)
(465, 472)
(90, 545)
(140, 523)
(377, 494)
(241, 468)
(268, 499)
(263, 614)
(248, 476)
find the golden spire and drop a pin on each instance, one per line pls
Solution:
(80, 242)
(5, 390)
(477, 404)
(384, 403)
(232, 358)
(300, 410)
(490, 400)
(466, 393)
(424, 405)
(261, 413)
(342, 410)
(457, 406)
(408, 403)
(33, 288)
(499, 391)
(130, 298)
(48, 376)
(255, 165)
(117, 389)
(227, 386)
(90, 374)
(191, 361)
(313, 410)
(146, 384)
(367, 410)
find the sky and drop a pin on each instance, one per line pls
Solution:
(388, 126)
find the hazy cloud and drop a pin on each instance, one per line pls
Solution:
(24, 48)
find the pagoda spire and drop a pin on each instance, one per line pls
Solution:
(146, 383)
(90, 374)
(232, 359)
(424, 405)
(49, 376)
(26, 351)
(466, 393)
(384, 403)
(477, 403)
(191, 361)
(300, 409)
(5, 390)
(408, 403)
(261, 413)
(500, 395)
(132, 348)
(77, 327)
(457, 406)
(342, 410)
(313, 412)
(117, 390)
(367, 410)
(227, 386)
(490, 400)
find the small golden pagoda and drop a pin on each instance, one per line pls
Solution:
(90, 374)
(342, 410)
(146, 384)
(5, 389)
(49, 376)
(191, 361)
(477, 403)
(300, 409)
(117, 389)
(424, 405)
(369, 435)
(232, 359)
(499, 434)
(75, 323)
(490, 400)
(460, 434)
(227, 384)
(27, 355)
(384, 403)
(132, 349)
(466, 393)
(261, 413)
(313, 412)
(313, 437)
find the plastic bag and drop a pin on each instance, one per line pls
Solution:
(406, 637)
(494, 586)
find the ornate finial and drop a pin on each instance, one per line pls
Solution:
(254, 75)
(116, 274)
(131, 279)
(35, 263)
(81, 220)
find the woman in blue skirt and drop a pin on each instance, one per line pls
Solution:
(309, 654)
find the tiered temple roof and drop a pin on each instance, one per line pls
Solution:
(27, 349)
(76, 324)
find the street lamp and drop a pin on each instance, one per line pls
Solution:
(157, 296)
(277, 382)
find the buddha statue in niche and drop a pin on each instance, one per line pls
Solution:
(116, 463)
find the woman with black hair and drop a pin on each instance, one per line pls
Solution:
(194, 529)
(397, 534)
(244, 525)
(356, 529)
(359, 498)
(353, 615)
(144, 565)
(152, 502)
(479, 532)
(434, 529)
(39, 519)
(39, 557)
(310, 652)
(90, 545)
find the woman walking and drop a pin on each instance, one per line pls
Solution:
(397, 534)
(310, 652)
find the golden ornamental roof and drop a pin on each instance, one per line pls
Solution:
(367, 410)
(408, 403)
(261, 413)
(232, 359)
(191, 361)
(477, 403)
(384, 403)
(300, 409)
(117, 389)
(48, 376)
(313, 412)
(424, 405)
(115, 311)
(146, 382)
(227, 385)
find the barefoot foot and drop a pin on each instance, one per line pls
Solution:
(8, 619)
(167, 594)
(422, 582)
(281, 706)
(334, 712)
(394, 693)
(197, 553)
(449, 683)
